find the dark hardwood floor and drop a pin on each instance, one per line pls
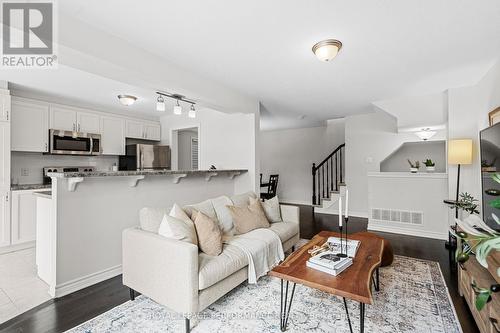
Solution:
(69, 311)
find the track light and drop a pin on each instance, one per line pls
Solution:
(160, 104)
(192, 112)
(177, 109)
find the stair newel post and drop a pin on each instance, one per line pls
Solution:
(340, 158)
(314, 184)
(327, 180)
(336, 173)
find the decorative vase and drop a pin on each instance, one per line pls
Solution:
(430, 168)
(413, 170)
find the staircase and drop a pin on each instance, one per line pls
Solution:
(328, 179)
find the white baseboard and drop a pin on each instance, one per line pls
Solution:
(403, 231)
(335, 211)
(17, 247)
(86, 281)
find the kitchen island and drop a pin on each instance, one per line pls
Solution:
(88, 212)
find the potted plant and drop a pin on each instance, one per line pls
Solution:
(429, 165)
(414, 166)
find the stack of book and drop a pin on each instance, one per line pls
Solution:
(351, 246)
(329, 262)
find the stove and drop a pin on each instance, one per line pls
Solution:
(48, 180)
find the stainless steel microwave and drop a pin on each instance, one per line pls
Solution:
(74, 143)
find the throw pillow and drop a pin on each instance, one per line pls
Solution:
(209, 234)
(223, 214)
(150, 218)
(173, 228)
(242, 200)
(205, 207)
(248, 218)
(272, 209)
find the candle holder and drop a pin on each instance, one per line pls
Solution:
(341, 254)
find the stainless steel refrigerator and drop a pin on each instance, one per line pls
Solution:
(144, 157)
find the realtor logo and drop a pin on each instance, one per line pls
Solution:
(28, 35)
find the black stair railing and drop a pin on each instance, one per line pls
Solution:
(327, 175)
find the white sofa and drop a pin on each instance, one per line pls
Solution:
(177, 275)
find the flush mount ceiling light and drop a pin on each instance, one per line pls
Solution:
(160, 104)
(192, 112)
(177, 107)
(127, 100)
(425, 134)
(327, 49)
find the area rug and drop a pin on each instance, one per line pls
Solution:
(413, 298)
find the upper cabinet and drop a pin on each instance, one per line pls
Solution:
(112, 136)
(4, 107)
(146, 130)
(69, 119)
(88, 122)
(29, 126)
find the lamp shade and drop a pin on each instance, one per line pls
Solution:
(460, 151)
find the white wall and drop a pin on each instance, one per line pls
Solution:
(416, 151)
(227, 141)
(291, 153)
(369, 139)
(35, 162)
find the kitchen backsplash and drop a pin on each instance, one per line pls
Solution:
(26, 168)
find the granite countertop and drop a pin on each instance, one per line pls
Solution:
(44, 194)
(25, 187)
(139, 173)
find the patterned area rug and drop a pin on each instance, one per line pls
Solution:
(413, 298)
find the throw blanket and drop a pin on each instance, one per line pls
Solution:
(263, 249)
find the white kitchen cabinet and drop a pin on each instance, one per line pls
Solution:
(135, 129)
(152, 131)
(88, 122)
(4, 218)
(62, 118)
(29, 126)
(4, 107)
(4, 156)
(112, 136)
(23, 216)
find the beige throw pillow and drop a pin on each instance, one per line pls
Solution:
(173, 228)
(248, 218)
(209, 234)
(272, 209)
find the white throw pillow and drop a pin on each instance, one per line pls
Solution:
(179, 213)
(243, 200)
(205, 207)
(272, 210)
(223, 214)
(173, 228)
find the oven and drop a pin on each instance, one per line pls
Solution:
(74, 143)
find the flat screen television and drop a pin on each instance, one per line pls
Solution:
(490, 164)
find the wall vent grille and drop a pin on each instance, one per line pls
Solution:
(401, 216)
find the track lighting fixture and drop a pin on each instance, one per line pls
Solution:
(177, 109)
(192, 112)
(160, 104)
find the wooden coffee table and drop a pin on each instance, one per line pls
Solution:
(354, 283)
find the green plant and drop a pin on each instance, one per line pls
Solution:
(428, 163)
(467, 203)
(414, 165)
(495, 203)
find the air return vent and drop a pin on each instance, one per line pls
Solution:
(400, 216)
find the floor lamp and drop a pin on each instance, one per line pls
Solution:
(459, 153)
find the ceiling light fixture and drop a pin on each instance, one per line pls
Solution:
(160, 104)
(327, 49)
(192, 112)
(177, 109)
(425, 134)
(127, 100)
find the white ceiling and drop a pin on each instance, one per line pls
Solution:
(392, 49)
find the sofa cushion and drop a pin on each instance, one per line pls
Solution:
(209, 234)
(249, 218)
(150, 218)
(285, 230)
(223, 215)
(242, 200)
(174, 228)
(205, 207)
(215, 269)
(272, 209)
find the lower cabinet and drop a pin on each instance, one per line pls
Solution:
(23, 217)
(4, 218)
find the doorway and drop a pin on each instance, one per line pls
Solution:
(185, 149)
